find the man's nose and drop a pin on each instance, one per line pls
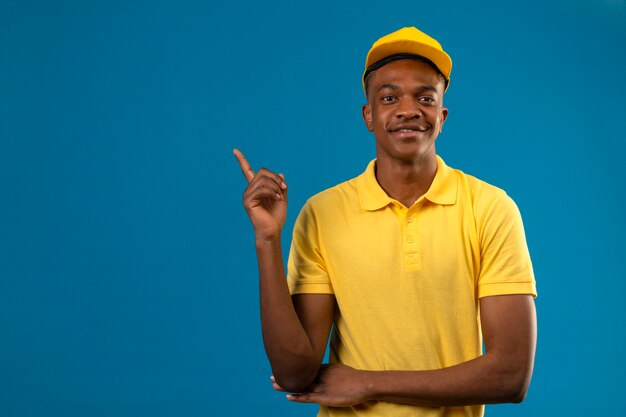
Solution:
(408, 110)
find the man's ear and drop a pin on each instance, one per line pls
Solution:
(367, 117)
(444, 116)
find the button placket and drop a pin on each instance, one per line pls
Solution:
(412, 256)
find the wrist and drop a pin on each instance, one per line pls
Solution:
(267, 241)
(371, 384)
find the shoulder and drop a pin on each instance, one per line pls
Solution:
(325, 208)
(494, 212)
(482, 195)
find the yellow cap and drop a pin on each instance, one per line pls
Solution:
(410, 40)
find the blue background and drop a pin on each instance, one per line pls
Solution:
(127, 270)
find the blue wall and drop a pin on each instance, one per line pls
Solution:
(127, 272)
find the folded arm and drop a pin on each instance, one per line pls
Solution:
(501, 375)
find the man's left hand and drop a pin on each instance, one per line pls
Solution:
(335, 386)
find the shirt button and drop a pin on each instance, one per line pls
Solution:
(409, 219)
(410, 239)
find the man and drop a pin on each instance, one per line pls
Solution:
(412, 263)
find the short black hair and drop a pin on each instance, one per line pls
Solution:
(376, 65)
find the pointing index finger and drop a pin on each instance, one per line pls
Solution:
(246, 169)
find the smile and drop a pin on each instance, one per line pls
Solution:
(419, 129)
(408, 128)
(408, 131)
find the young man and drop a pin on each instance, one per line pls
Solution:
(412, 262)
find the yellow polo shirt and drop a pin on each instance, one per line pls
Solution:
(407, 280)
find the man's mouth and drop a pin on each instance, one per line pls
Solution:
(404, 129)
(409, 129)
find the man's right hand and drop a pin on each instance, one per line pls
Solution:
(265, 199)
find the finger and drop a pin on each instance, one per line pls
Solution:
(266, 178)
(283, 184)
(302, 398)
(275, 385)
(279, 179)
(278, 387)
(246, 169)
(259, 197)
(263, 188)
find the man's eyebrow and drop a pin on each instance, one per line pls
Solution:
(389, 86)
(395, 87)
(426, 88)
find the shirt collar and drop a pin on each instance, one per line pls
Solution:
(442, 191)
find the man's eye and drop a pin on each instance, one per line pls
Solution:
(388, 98)
(427, 99)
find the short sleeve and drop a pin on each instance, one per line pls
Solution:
(306, 269)
(506, 267)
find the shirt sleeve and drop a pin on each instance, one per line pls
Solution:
(506, 267)
(306, 269)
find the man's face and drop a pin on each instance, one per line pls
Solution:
(405, 110)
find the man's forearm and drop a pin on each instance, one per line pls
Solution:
(501, 375)
(287, 344)
(487, 379)
(484, 380)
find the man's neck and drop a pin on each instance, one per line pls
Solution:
(403, 181)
